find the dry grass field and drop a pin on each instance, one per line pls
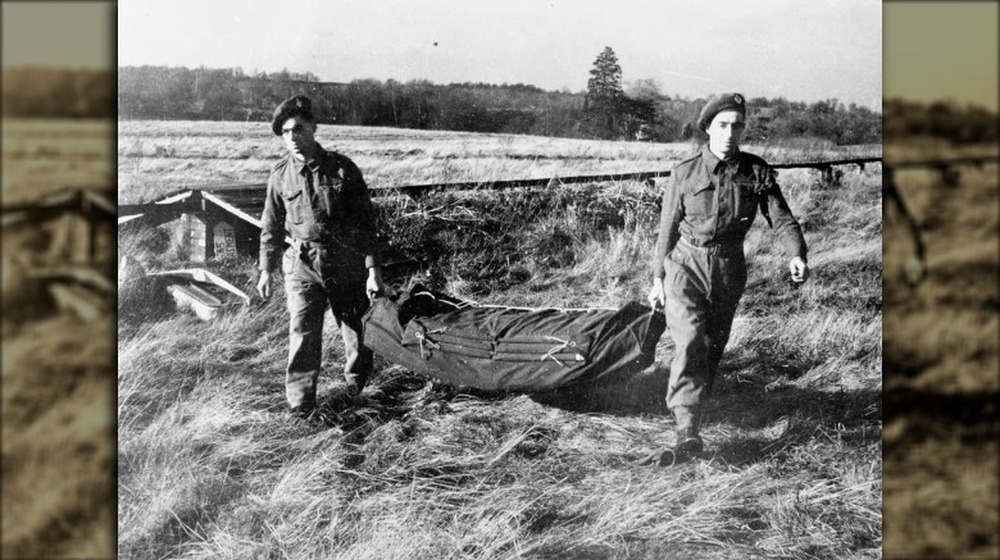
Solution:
(941, 368)
(155, 157)
(43, 156)
(210, 466)
(58, 387)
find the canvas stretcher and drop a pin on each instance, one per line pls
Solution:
(511, 349)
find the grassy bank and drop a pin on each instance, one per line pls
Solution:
(210, 466)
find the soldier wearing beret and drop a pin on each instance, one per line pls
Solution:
(699, 271)
(319, 200)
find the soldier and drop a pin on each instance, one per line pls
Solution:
(699, 271)
(319, 199)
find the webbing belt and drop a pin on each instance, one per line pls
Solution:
(715, 248)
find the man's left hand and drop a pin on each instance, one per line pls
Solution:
(374, 286)
(799, 270)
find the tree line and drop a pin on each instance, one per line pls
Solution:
(961, 124)
(606, 109)
(43, 92)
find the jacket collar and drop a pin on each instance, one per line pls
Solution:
(713, 161)
(313, 164)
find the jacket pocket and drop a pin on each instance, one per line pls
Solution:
(328, 184)
(288, 260)
(290, 196)
(675, 264)
(294, 202)
(701, 202)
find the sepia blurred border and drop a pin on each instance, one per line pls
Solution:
(940, 334)
(59, 493)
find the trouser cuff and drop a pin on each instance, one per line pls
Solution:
(688, 419)
(299, 399)
(355, 382)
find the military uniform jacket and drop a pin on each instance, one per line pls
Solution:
(712, 202)
(324, 200)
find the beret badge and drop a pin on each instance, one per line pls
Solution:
(724, 102)
(299, 105)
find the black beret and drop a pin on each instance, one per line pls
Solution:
(716, 105)
(300, 106)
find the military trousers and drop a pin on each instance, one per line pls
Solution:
(316, 277)
(703, 288)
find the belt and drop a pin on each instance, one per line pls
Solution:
(328, 243)
(301, 243)
(298, 245)
(714, 248)
(333, 245)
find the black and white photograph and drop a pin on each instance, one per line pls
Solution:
(528, 279)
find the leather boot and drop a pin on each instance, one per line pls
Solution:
(305, 408)
(688, 440)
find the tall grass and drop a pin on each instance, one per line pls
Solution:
(58, 435)
(210, 466)
(42, 156)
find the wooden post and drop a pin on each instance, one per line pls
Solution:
(209, 226)
(91, 239)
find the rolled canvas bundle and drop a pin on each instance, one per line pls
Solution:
(513, 349)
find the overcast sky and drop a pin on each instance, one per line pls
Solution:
(797, 49)
(942, 50)
(77, 34)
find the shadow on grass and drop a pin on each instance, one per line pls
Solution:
(920, 416)
(394, 396)
(639, 394)
(747, 404)
(752, 406)
(789, 415)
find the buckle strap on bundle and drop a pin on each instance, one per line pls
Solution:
(422, 338)
(550, 355)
